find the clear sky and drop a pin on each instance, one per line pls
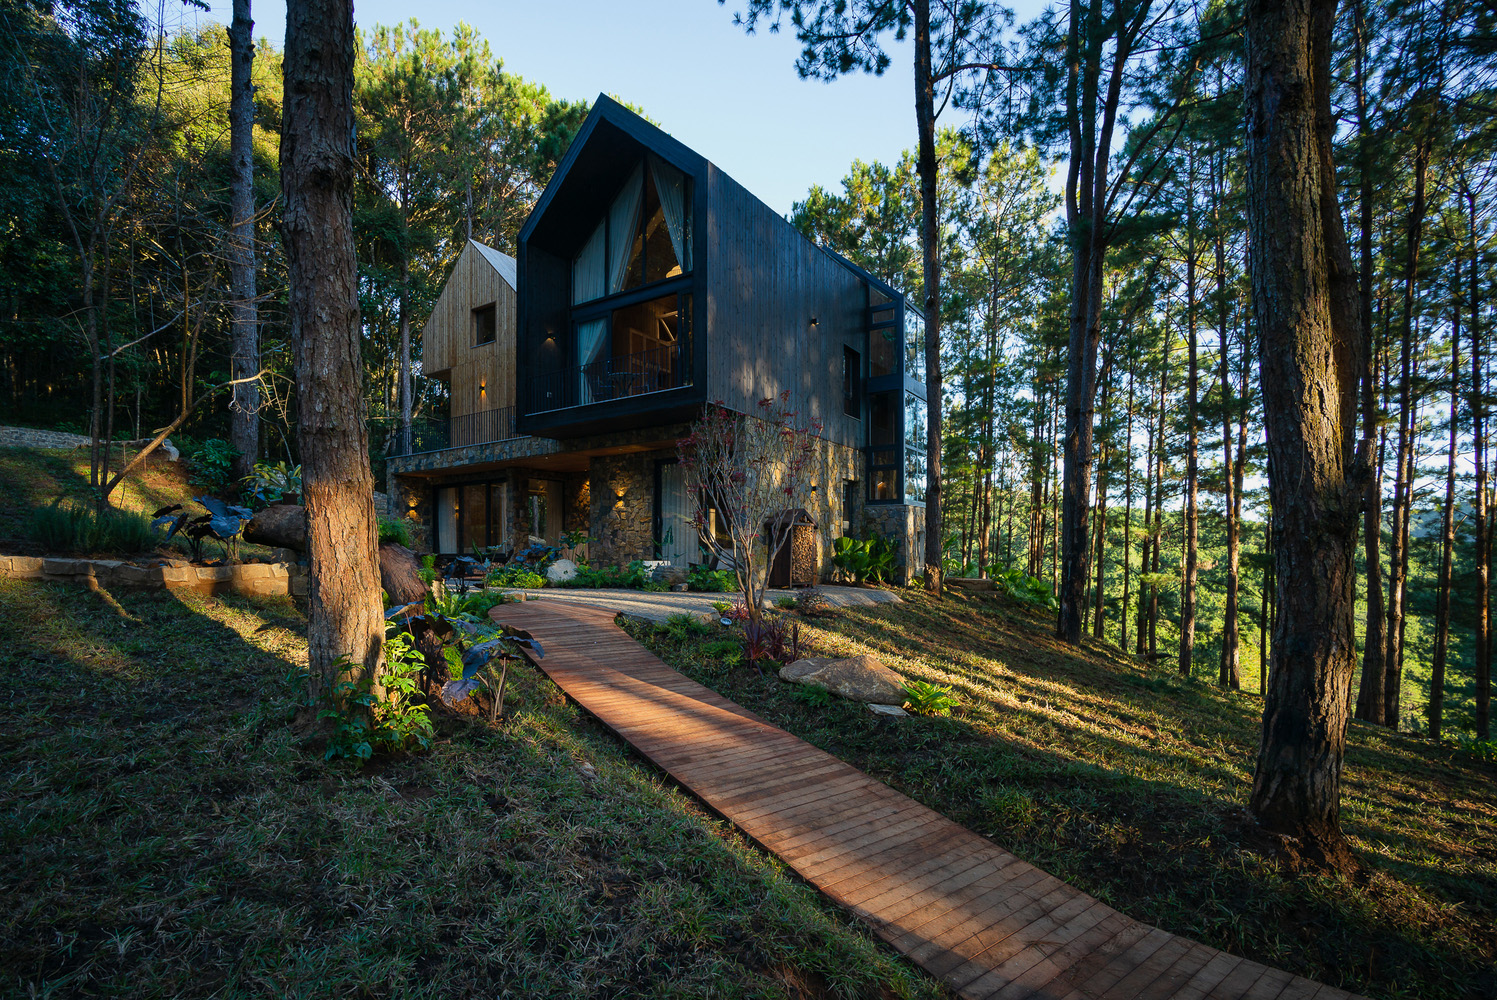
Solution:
(732, 97)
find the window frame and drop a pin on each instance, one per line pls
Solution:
(492, 309)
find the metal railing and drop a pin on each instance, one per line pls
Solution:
(612, 378)
(439, 434)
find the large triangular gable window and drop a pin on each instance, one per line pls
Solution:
(644, 237)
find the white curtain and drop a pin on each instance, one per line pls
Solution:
(590, 336)
(670, 184)
(623, 220)
(587, 270)
(677, 536)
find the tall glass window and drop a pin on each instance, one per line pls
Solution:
(914, 448)
(644, 237)
(914, 344)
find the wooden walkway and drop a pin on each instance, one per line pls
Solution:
(971, 914)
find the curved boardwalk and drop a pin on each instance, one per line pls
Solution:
(969, 913)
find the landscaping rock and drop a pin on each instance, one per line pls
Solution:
(668, 574)
(970, 583)
(561, 571)
(890, 710)
(858, 678)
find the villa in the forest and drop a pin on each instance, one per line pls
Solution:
(649, 283)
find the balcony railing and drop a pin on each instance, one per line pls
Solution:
(455, 432)
(618, 377)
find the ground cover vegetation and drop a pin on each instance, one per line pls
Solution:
(169, 831)
(1131, 783)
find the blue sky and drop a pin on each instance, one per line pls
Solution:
(732, 97)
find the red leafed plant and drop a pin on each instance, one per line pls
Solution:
(750, 469)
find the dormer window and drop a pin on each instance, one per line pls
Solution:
(644, 237)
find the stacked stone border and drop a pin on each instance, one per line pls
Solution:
(260, 579)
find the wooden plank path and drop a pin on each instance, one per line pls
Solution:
(968, 912)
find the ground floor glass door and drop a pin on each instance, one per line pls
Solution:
(675, 538)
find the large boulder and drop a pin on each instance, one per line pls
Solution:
(859, 678)
(400, 574)
(283, 526)
(561, 571)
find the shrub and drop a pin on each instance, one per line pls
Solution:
(212, 464)
(72, 527)
(272, 482)
(812, 603)
(871, 558)
(785, 603)
(361, 724)
(711, 581)
(929, 699)
(631, 577)
(515, 576)
(394, 530)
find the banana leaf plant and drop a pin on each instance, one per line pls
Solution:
(476, 655)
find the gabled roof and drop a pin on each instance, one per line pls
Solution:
(585, 178)
(501, 262)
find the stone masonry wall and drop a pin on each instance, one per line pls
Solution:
(263, 579)
(622, 502)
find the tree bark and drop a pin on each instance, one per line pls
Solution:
(1099, 597)
(1128, 511)
(1192, 444)
(1370, 705)
(345, 628)
(925, 121)
(1434, 710)
(1304, 300)
(244, 360)
(1483, 669)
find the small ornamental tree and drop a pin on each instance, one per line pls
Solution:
(751, 469)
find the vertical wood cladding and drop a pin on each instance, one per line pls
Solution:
(766, 282)
(447, 340)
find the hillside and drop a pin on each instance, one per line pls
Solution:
(1131, 784)
(34, 477)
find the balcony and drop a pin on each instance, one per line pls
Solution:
(439, 434)
(620, 377)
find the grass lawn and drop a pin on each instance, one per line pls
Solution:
(1130, 784)
(167, 833)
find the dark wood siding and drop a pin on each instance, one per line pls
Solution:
(765, 284)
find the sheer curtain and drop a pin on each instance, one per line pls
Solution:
(590, 337)
(623, 220)
(587, 270)
(670, 184)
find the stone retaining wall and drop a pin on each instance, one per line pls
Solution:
(31, 437)
(263, 579)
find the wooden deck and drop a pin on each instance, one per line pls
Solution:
(971, 914)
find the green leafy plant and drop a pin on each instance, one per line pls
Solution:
(395, 531)
(516, 576)
(363, 725)
(812, 695)
(786, 603)
(870, 559)
(711, 581)
(721, 607)
(1022, 587)
(683, 626)
(272, 482)
(69, 527)
(632, 577)
(812, 603)
(929, 699)
(212, 464)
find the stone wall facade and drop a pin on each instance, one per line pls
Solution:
(906, 523)
(262, 579)
(622, 507)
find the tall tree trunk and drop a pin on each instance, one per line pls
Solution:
(1229, 673)
(1156, 548)
(1128, 510)
(1483, 671)
(244, 360)
(1403, 486)
(1146, 543)
(345, 628)
(1435, 708)
(1370, 704)
(930, 244)
(1192, 443)
(1304, 300)
(1098, 598)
